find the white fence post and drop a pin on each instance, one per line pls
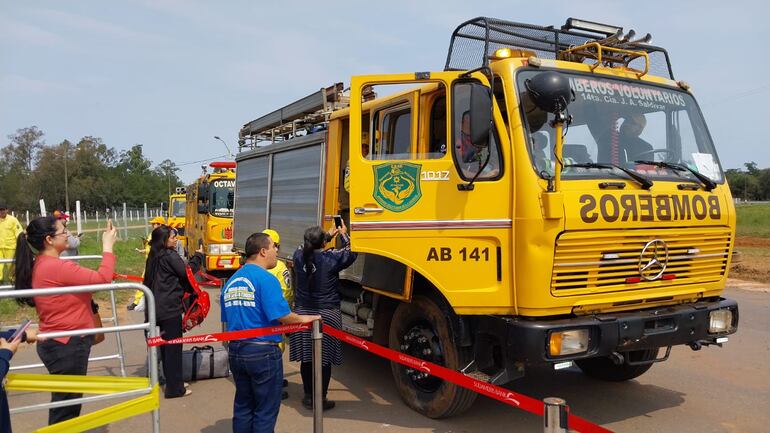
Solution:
(27, 217)
(77, 216)
(42, 208)
(125, 223)
(146, 229)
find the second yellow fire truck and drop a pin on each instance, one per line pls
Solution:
(176, 216)
(209, 217)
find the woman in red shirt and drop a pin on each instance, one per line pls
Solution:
(38, 266)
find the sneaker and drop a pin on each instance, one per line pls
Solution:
(140, 306)
(131, 307)
(307, 402)
(285, 383)
(284, 395)
(329, 404)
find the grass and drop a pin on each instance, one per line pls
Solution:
(129, 262)
(753, 242)
(753, 220)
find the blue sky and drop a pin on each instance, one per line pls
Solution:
(171, 74)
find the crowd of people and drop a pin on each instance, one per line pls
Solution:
(259, 294)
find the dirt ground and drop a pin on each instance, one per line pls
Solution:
(754, 259)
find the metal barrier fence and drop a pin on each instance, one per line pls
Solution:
(120, 355)
(149, 327)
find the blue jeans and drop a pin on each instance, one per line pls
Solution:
(258, 375)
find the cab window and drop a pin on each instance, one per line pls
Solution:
(437, 138)
(394, 129)
(393, 137)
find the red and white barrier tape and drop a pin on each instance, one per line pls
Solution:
(208, 280)
(136, 278)
(233, 335)
(503, 395)
(508, 397)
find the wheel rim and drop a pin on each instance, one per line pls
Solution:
(420, 341)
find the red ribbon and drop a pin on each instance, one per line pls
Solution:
(500, 394)
(503, 395)
(127, 277)
(233, 335)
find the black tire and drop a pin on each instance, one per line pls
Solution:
(604, 369)
(429, 395)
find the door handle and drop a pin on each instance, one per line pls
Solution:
(366, 210)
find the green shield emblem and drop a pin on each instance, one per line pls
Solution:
(397, 185)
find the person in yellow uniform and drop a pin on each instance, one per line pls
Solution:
(9, 232)
(138, 302)
(281, 272)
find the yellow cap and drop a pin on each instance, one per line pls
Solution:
(158, 220)
(273, 235)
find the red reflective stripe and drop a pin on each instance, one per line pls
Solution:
(229, 336)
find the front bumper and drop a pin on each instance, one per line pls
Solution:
(527, 340)
(223, 262)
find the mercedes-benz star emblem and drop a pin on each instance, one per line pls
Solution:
(653, 260)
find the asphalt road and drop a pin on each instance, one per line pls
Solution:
(713, 390)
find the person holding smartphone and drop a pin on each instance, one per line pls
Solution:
(9, 343)
(38, 265)
(317, 276)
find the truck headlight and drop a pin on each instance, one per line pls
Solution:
(720, 321)
(562, 343)
(217, 249)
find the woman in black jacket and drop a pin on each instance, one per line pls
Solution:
(165, 274)
(317, 272)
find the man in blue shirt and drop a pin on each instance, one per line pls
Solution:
(252, 298)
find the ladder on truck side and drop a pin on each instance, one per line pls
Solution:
(293, 120)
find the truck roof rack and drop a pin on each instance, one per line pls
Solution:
(474, 41)
(302, 114)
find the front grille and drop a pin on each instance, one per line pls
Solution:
(589, 262)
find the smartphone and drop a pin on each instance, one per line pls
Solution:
(337, 221)
(20, 331)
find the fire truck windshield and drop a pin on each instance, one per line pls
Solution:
(177, 208)
(221, 198)
(626, 123)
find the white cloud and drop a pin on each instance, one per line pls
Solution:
(99, 27)
(29, 34)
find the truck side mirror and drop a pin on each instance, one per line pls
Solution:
(202, 194)
(481, 114)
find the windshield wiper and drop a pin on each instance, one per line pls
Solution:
(708, 184)
(641, 180)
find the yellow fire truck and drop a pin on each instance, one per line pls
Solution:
(552, 197)
(209, 217)
(176, 216)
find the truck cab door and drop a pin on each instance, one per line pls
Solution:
(406, 183)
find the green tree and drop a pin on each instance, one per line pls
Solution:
(17, 167)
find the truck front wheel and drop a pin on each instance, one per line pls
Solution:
(604, 369)
(420, 329)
